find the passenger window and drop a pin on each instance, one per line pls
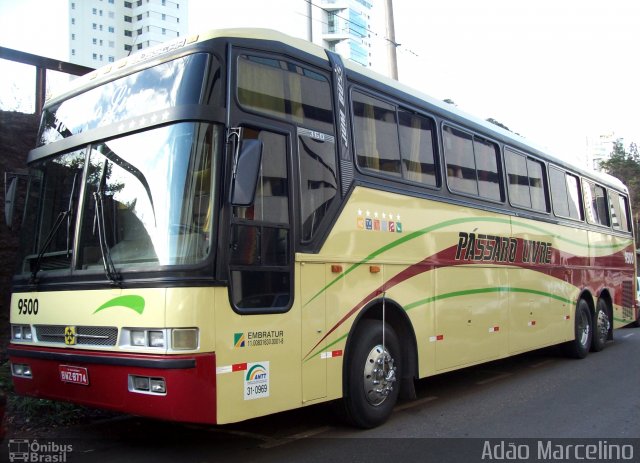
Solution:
(461, 166)
(416, 146)
(575, 202)
(536, 185)
(619, 212)
(565, 194)
(558, 192)
(376, 135)
(472, 164)
(595, 198)
(518, 179)
(284, 89)
(487, 155)
(527, 184)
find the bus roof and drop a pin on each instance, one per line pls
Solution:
(105, 73)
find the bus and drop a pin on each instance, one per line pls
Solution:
(239, 223)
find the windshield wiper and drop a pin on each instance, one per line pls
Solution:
(98, 197)
(68, 214)
(47, 241)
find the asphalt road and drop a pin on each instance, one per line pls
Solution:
(541, 397)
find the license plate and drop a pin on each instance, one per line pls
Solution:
(74, 375)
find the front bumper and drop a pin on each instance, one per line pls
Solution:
(190, 381)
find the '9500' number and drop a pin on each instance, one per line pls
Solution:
(28, 306)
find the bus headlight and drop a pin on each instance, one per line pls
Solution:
(143, 337)
(21, 370)
(21, 333)
(184, 339)
(157, 386)
(156, 338)
(161, 338)
(138, 338)
(147, 385)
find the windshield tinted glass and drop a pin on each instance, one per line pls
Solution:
(53, 189)
(154, 189)
(156, 193)
(177, 82)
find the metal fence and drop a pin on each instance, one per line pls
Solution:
(41, 65)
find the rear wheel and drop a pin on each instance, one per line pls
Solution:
(372, 374)
(602, 326)
(579, 347)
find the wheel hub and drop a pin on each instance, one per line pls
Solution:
(603, 326)
(379, 375)
(583, 329)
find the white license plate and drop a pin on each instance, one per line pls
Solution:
(74, 375)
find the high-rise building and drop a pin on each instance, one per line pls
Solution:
(345, 26)
(599, 149)
(353, 28)
(103, 31)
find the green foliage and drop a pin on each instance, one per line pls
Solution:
(625, 165)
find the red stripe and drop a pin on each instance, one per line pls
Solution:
(446, 258)
(239, 367)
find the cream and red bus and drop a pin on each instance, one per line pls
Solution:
(239, 223)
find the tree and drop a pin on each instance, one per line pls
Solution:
(626, 167)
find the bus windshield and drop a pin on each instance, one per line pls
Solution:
(140, 200)
(159, 88)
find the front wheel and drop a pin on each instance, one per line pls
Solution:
(602, 327)
(372, 375)
(579, 347)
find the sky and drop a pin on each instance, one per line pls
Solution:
(554, 71)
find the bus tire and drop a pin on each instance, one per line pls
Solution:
(583, 329)
(602, 326)
(372, 374)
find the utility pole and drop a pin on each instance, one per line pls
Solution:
(391, 39)
(310, 23)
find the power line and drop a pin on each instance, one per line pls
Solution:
(371, 31)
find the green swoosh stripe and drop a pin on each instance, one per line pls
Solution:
(398, 242)
(413, 305)
(418, 233)
(499, 289)
(576, 243)
(133, 302)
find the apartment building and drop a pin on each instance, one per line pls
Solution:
(103, 31)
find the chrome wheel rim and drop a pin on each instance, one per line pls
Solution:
(602, 326)
(584, 328)
(379, 375)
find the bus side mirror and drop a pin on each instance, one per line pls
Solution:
(10, 189)
(246, 172)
